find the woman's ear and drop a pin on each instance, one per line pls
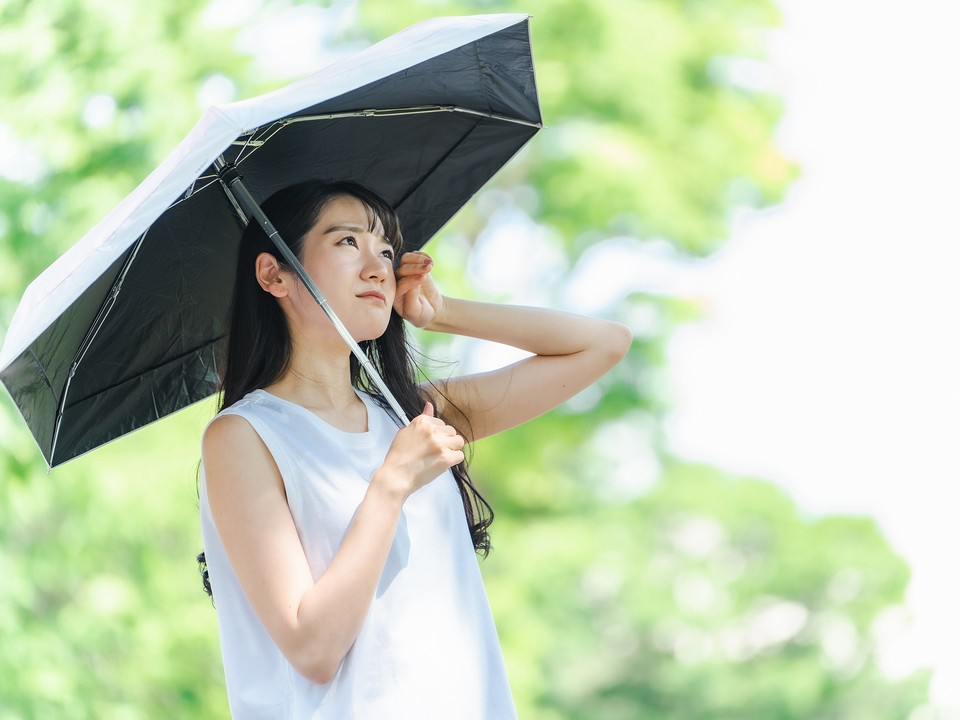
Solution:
(269, 275)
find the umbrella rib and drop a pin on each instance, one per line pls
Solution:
(253, 143)
(414, 110)
(497, 116)
(108, 302)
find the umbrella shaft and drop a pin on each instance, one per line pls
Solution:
(234, 187)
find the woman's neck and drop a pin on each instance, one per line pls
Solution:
(319, 381)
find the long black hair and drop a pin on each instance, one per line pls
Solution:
(258, 349)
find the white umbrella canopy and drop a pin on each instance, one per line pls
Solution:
(127, 326)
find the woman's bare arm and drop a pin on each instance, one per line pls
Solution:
(313, 622)
(569, 351)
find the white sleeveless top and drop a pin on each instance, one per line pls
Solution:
(428, 648)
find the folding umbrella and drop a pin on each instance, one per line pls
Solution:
(127, 326)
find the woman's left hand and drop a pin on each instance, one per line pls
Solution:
(417, 300)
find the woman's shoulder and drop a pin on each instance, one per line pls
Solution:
(252, 399)
(228, 431)
(234, 426)
(256, 405)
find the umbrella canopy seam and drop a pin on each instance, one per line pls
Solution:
(38, 363)
(482, 71)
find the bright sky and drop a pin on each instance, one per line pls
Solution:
(829, 358)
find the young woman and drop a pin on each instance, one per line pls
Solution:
(341, 545)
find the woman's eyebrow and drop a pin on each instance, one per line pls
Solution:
(348, 228)
(356, 229)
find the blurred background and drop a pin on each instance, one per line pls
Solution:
(751, 517)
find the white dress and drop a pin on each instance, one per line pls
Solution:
(428, 648)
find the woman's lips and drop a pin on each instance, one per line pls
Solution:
(373, 295)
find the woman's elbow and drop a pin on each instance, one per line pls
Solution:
(319, 673)
(319, 668)
(618, 340)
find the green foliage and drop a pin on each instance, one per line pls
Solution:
(709, 597)
(625, 584)
(101, 608)
(99, 92)
(649, 133)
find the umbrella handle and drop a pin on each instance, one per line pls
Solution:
(233, 185)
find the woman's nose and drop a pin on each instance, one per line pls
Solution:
(375, 266)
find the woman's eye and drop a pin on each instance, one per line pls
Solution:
(349, 240)
(388, 254)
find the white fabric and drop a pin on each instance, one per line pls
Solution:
(428, 648)
(63, 282)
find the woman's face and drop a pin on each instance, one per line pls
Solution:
(352, 265)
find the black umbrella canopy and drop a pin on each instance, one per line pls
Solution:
(144, 338)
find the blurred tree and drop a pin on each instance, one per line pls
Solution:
(96, 94)
(655, 133)
(100, 608)
(697, 596)
(655, 130)
(101, 611)
(705, 596)
(709, 597)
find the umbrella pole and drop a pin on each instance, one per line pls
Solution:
(237, 192)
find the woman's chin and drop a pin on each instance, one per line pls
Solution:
(367, 332)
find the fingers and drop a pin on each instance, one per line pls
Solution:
(408, 289)
(414, 263)
(453, 445)
(416, 258)
(445, 437)
(452, 453)
(407, 284)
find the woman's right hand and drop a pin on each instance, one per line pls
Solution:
(420, 453)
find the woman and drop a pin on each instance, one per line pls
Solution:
(340, 547)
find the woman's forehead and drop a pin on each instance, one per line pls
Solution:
(349, 213)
